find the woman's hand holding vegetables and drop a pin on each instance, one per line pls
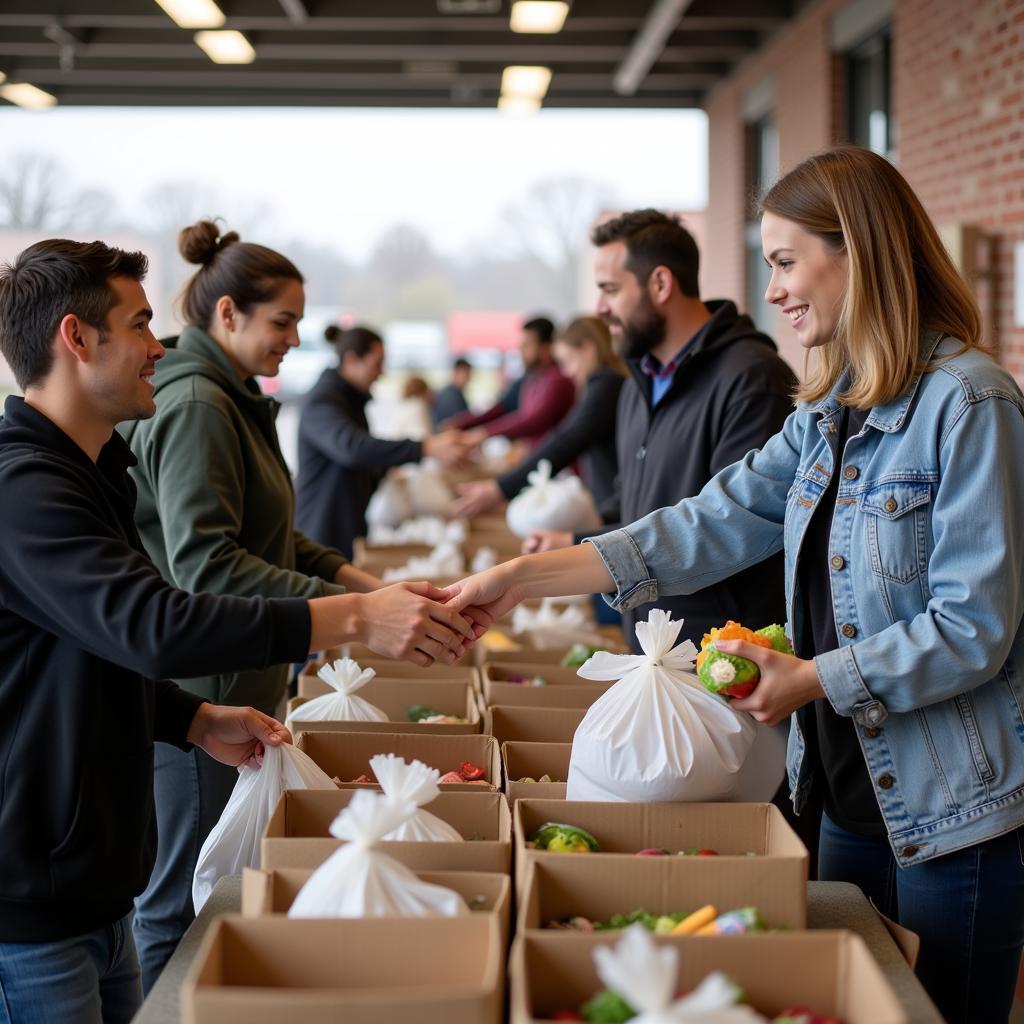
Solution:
(787, 683)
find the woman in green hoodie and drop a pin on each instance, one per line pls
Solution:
(216, 513)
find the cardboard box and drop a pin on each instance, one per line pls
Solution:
(273, 892)
(273, 969)
(564, 688)
(519, 760)
(529, 655)
(394, 697)
(567, 885)
(345, 754)
(297, 834)
(734, 830)
(538, 725)
(831, 972)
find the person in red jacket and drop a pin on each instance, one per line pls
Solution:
(545, 396)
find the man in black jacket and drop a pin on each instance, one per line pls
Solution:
(86, 626)
(706, 387)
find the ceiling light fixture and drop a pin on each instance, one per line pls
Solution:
(518, 104)
(26, 95)
(193, 13)
(226, 47)
(525, 80)
(538, 15)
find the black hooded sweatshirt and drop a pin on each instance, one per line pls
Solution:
(86, 626)
(730, 392)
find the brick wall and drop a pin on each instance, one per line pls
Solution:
(958, 79)
(958, 112)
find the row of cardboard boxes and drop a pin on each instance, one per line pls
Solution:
(262, 965)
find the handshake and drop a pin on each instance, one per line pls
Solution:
(454, 449)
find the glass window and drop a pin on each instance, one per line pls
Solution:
(763, 169)
(868, 92)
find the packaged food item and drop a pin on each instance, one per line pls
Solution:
(430, 716)
(414, 782)
(345, 677)
(562, 503)
(467, 772)
(579, 654)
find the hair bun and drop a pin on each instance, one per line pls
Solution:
(200, 242)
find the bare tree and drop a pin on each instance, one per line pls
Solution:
(35, 195)
(551, 224)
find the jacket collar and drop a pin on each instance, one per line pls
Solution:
(197, 342)
(887, 418)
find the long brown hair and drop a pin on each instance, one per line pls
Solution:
(900, 280)
(593, 329)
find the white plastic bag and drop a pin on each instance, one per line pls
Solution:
(445, 560)
(360, 880)
(657, 735)
(391, 504)
(547, 504)
(234, 842)
(645, 975)
(422, 530)
(415, 782)
(430, 494)
(549, 628)
(345, 676)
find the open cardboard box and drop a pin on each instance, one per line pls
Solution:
(273, 892)
(830, 972)
(533, 725)
(394, 697)
(570, 885)
(345, 755)
(319, 971)
(525, 655)
(735, 830)
(297, 834)
(563, 689)
(532, 760)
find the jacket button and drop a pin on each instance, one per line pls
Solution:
(890, 505)
(850, 472)
(886, 781)
(871, 733)
(909, 851)
(848, 630)
(838, 562)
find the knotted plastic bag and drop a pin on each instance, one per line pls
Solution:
(645, 975)
(657, 735)
(234, 842)
(415, 782)
(346, 677)
(445, 560)
(361, 880)
(551, 504)
(430, 494)
(391, 504)
(550, 628)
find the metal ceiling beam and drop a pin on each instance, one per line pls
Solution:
(649, 44)
(295, 10)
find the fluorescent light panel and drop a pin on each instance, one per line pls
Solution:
(538, 15)
(193, 13)
(26, 95)
(518, 104)
(226, 47)
(525, 80)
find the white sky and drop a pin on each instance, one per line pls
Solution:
(341, 176)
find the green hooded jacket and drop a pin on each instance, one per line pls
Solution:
(216, 509)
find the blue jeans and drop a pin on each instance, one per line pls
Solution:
(967, 907)
(190, 791)
(86, 979)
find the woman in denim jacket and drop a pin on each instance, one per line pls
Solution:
(895, 491)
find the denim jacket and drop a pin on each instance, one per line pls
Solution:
(926, 558)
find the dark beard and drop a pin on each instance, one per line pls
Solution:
(643, 332)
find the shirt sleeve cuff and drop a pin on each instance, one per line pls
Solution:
(175, 709)
(634, 584)
(845, 688)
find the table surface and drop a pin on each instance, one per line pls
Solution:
(829, 905)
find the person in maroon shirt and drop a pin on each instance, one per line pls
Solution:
(545, 397)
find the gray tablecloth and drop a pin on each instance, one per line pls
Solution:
(829, 905)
